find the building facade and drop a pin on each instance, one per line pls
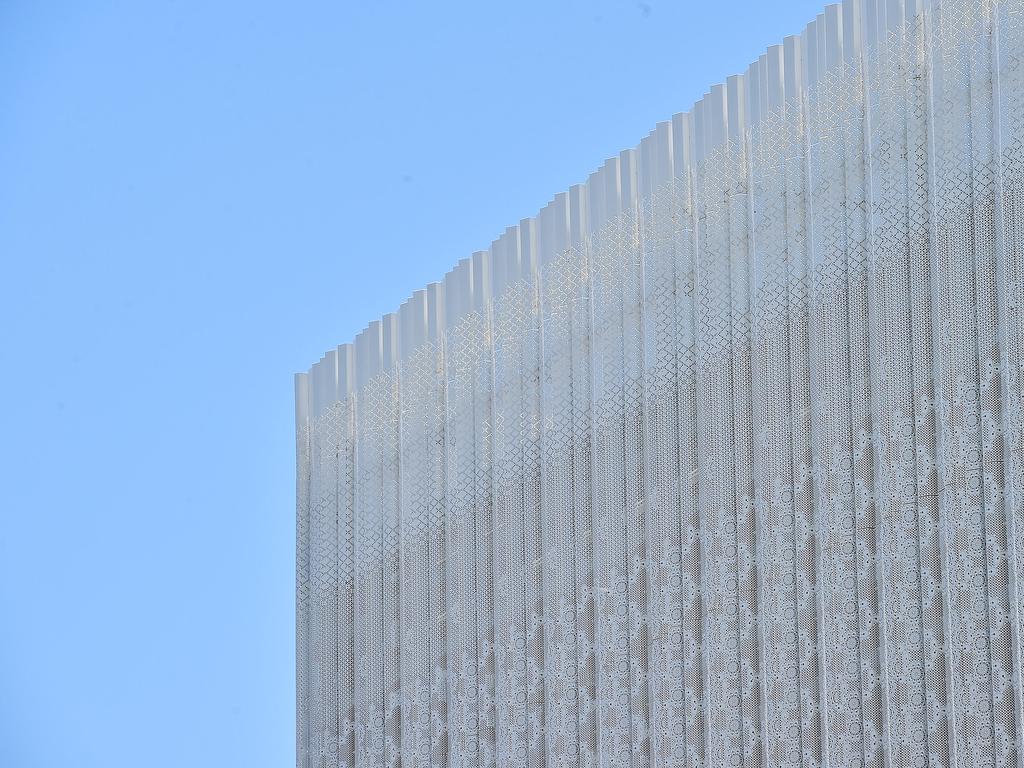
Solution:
(719, 459)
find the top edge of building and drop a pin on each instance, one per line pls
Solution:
(783, 74)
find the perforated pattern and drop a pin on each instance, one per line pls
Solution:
(736, 480)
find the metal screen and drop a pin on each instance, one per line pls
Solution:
(719, 460)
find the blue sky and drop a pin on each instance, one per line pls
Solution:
(196, 200)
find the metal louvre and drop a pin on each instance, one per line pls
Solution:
(719, 460)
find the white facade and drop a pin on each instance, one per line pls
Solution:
(719, 460)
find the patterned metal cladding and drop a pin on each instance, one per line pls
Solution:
(719, 460)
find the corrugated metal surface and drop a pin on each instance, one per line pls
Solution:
(719, 460)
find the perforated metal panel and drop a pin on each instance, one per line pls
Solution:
(719, 460)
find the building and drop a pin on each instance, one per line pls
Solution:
(719, 459)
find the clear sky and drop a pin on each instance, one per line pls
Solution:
(197, 199)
